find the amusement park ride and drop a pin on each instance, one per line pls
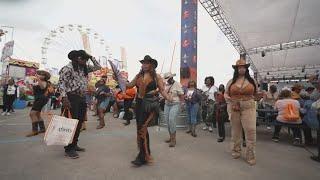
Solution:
(61, 40)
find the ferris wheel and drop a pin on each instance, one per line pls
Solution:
(60, 41)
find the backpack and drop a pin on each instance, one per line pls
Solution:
(291, 113)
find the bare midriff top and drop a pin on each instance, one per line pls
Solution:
(244, 93)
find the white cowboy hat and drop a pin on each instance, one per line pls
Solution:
(168, 75)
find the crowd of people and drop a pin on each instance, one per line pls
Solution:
(236, 102)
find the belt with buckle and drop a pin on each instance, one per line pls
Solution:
(78, 93)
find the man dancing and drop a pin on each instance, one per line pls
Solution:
(72, 84)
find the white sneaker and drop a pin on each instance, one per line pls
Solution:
(205, 128)
(8, 114)
(3, 114)
(210, 129)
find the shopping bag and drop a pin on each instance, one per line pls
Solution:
(60, 130)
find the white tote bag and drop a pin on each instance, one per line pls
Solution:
(60, 130)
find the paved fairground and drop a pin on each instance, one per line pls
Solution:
(110, 150)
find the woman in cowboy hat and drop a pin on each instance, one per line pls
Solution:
(240, 93)
(172, 109)
(40, 92)
(149, 83)
(296, 89)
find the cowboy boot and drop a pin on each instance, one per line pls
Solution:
(193, 130)
(236, 150)
(250, 155)
(189, 129)
(173, 140)
(101, 124)
(34, 130)
(83, 126)
(42, 128)
(127, 123)
(169, 140)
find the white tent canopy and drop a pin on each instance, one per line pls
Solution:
(287, 32)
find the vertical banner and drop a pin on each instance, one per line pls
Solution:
(188, 64)
(7, 50)
(123, 58)
(86, 42)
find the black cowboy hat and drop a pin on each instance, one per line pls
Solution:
(74, 54)
(84, 55)
(147, 58)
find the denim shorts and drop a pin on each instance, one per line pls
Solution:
(104, 104)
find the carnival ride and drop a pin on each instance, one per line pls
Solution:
(61, 40)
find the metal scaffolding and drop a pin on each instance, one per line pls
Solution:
(284, 46)
(216, 13)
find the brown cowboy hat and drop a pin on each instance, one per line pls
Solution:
(297, 86)
(46, 74)
(147, 58)
(241, 62)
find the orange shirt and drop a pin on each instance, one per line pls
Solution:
(130, 93)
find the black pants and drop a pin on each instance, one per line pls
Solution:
(221, 129)
(143, 120)
(308, 135)
(277, 129)
(127, 104)
(78, 111)
(221, 115)
(8, 102)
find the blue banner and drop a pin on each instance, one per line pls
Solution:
(188, 64)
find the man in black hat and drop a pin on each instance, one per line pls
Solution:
(72, 84)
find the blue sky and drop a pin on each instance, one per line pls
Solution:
(142, 27)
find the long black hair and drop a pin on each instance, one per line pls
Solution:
(246, 75)
(77, 67)
(153, 73)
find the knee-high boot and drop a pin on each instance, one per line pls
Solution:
(34, 130)
(42, 127)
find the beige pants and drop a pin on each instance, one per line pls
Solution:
(245, 118)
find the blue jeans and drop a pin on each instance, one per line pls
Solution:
(171, 112)
(192, 110)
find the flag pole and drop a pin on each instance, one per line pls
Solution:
(174, 49)
(162, 66)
